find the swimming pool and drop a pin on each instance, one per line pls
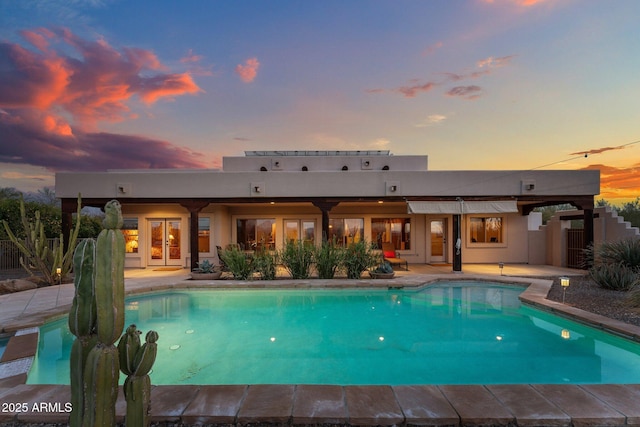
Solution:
(446, 333)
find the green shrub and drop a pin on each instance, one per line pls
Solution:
(328, 259)
(238, 264)
(625, 251)
(617, 277)
(359, 257)
(297, 258)
(264, 263)
(633, 298)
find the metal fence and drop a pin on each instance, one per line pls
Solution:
(10, 254)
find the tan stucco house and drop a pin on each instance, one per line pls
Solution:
(265, 198)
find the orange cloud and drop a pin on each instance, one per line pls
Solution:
(55, 125)
(598, 150)
(618, 183)
(249, 71)
(95, 84)
(51, 96)
(169, 85)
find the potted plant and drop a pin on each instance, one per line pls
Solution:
(206, 271)
(384, 270)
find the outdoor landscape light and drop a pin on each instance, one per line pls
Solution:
(564, 282)
(501, 265)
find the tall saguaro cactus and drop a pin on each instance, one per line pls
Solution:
(102, 369)
(97, 319)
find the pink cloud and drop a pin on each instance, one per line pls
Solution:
(412, 91)
(467, 92)
(432, 48)
(249, 71)
(95, 85)
(49, 98)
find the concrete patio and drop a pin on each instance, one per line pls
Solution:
(283, 405)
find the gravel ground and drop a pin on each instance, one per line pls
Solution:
(585, 294)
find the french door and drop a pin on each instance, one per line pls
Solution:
(438, 239)
(165, 235)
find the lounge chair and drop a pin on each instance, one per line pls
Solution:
(391, 256)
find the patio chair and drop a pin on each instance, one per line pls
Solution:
(390, 255)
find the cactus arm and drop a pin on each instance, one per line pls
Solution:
(137, 387)
(127, 348)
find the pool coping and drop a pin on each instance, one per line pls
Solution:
(280, 405)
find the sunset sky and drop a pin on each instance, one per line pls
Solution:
(90, 85)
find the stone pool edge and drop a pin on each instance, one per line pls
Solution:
(282, 405)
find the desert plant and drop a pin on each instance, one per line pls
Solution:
(297, 258)
(384, 267)
(96, 319)
(53, 263)
(358, 257)
(264, 263)
(617, 277)
(616, 264)
(328, 258)
(136, 362)
(205, 266)
(238, 263)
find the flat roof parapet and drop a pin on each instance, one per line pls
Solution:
(319, 153)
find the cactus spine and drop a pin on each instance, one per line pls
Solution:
(137, 365)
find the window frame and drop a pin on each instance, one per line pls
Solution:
(485, 244)
(406, 220)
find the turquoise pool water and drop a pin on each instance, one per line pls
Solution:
(447, 333)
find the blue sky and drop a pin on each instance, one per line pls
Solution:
(478, 84)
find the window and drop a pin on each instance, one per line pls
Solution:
(130, 231)
(486, 229)
(300, 230)
(346, 230)
(394, 230)
(204, 234)
(255, 234)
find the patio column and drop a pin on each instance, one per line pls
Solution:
(325, 207)
(457, 243)
(194, 207)
(588, 231)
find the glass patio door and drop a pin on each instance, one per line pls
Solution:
(300, 230)
(438, 240)
(165, 242)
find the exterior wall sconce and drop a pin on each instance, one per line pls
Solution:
(393, 188)
(501, 265)
(564, 282)
(257, 189)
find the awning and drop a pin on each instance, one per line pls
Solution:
(463, 207)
